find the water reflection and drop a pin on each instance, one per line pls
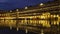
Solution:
(36, 26)
(26, 31)
(10, 27)
(42, 31)
(43, 24)
(17, 28)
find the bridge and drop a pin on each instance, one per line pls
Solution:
(32, 19)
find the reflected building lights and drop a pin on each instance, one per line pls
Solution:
(17, 29)
(26, 31)
(10, 27)
(42, 31)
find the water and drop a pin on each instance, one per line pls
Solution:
(23, 28)
(7, 30)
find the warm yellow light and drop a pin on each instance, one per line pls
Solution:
(55, 22)
(45, 13)
(54, 15)
(34, 13)
(57, 15)
(43, 17)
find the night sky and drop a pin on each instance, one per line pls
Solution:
(13, 4)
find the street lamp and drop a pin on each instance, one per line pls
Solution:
(26, 7)
(41, 4)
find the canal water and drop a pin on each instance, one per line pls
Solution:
(42, 27)
(7, 30)
(30, 26)
(32, 30)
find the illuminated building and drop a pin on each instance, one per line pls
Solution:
(32, 16)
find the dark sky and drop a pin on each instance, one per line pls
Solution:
(13, 4)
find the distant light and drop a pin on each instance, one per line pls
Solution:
(10, 27)
(10, 10)
(54, 15)
(26, 7)
(26, 31)
(17, 28)
(34, 13)
(41, 4)
(42, 32)
(17, 9)
(57, 15)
